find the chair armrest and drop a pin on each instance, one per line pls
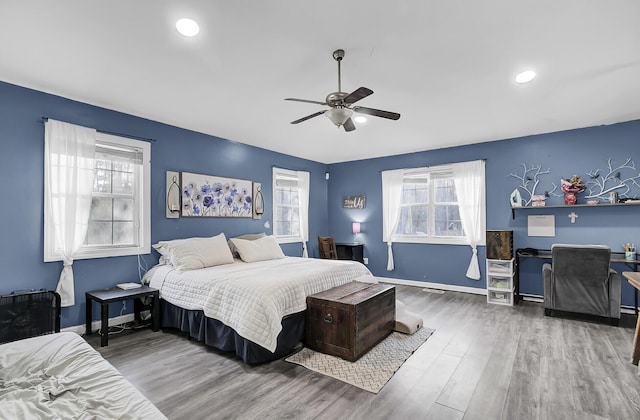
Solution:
(547, 284)
(615, 288)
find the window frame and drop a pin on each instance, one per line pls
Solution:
(279, 173)
(143, 210)
(432, 174)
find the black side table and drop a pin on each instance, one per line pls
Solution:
(350, 251)
(106, 296)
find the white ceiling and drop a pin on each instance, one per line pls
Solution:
(446, 66)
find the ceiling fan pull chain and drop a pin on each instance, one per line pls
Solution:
(339, 77)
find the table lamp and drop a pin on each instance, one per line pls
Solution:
(355, 228)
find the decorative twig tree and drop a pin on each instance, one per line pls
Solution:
(601, 184)
(530, 179)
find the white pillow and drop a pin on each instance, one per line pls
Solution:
(248, 237)
(195, 253)
(262, 249)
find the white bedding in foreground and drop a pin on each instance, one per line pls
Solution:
(60, 376)
(252, 298)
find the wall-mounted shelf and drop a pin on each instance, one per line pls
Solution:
(513, 209)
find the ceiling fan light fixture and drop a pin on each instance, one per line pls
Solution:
(341, 102)
(338, 116)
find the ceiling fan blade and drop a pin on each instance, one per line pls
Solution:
(349, 125)
(356, 95)
(307, 117)
(305, 100)
(376, 112)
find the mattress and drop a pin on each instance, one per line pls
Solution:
(253, 298)
(60, 376)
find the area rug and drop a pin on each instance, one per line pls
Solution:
(373, 370)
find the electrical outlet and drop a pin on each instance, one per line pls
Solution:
(366, 260)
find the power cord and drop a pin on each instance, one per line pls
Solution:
(143, 267)
(115, 329)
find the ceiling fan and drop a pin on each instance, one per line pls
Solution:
(341, 103)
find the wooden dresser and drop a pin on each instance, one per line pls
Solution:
(347, 321)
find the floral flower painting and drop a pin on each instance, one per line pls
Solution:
(214, 196)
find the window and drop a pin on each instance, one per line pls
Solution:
(289, 209)
(446, 213)
(119, 221)
(414, 206)
(429, 207)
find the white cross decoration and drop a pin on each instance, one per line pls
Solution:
(573, 216)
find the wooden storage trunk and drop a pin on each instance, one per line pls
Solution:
(347, 321)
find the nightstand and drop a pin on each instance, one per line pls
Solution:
(350, 251)
(107, 296)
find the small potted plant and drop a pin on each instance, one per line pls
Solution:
(571, 188)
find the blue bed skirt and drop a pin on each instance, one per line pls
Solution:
(216, 334)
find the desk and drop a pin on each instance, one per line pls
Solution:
(545, 254)
(104, 297)
(350, 251)
(634, 279)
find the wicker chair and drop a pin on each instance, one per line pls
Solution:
(327, 248)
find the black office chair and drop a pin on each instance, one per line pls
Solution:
(579, 280)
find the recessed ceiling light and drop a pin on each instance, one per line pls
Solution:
(187, 27)
(360, 119)
(525, 76)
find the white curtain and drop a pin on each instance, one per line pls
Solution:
(303, 197)
(391, 201)
(69, 171)
(470, 189)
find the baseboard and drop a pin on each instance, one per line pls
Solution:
(439, 286)
(624, 309)
(476, 291)
(96, 325)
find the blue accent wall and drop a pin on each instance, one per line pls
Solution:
(173, 149)
(564, 154)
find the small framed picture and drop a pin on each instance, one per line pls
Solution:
(354, 202)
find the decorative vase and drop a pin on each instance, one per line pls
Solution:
(571, 188)
(570, 198)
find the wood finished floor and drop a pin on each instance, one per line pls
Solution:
(483, 362)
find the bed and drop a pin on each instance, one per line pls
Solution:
(254, 308)
(61, 376)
